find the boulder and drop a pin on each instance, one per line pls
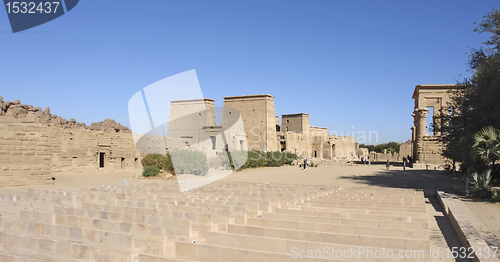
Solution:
(21, 111)
(57, 121)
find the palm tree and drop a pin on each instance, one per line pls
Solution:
(487, 145)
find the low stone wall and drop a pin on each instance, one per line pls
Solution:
(392, 157)
(34, 144)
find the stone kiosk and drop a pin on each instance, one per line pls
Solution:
(427, 148)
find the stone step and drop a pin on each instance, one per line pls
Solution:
(352, 220)
(346, 212)
(123, 224)
(119, 241)
(346, 229)
(383, 198)
(286, 246)
(365, 203)
(325, 212)
(210, 253)
(390, 197)
(327, 209)
(154, 258)
(332, 238)
(374, 201)
(415, 209)
(59, 250)
(230, 221)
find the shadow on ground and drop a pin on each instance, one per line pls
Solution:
(411, 178)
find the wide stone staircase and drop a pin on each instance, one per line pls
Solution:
(224, 221)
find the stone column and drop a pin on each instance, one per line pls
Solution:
(320, 155)
(420, 116)
(421, 121)
(414, 135)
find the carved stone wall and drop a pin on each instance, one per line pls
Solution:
(35, 144)
(259, 120)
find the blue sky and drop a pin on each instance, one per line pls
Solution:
(352, 65)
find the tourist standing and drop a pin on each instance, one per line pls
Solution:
(305, 163)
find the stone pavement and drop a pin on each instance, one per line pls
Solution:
(224, 221)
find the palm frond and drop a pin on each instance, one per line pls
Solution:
(486, 144)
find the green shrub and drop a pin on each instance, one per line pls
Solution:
(189, 162)
(160, 161)
(495, 196)
(275, 158)
(150, 171)
(481, 182)
(290, 157)
(255, 159)
(239, 159)
(220, 161)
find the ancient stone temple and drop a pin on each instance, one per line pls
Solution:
(426, 148)
(202, 124)
(295, 134)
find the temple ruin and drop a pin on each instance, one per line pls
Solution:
(294, 134)
(426, 148)
(35, 143)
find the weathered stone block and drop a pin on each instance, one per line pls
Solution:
(63, 249)
(12, 178)
(81, 252)
(30, 143)
(15, 127)
(18, 183)
(27, 119)
(75, 233)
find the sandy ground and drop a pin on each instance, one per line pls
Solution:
(344, 176)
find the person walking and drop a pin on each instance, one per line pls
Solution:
(404, 163)
(305, 163)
